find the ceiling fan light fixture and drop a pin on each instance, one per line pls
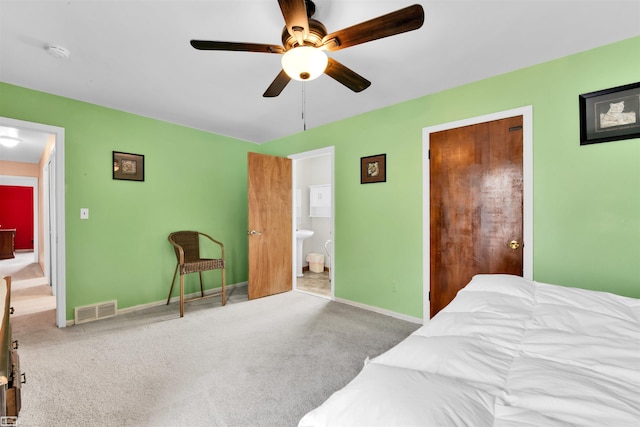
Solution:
(57, 51)
(9, 141)
(304, 63)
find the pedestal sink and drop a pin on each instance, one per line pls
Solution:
(300, 236)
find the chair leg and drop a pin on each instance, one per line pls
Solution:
(181, 295)
(172, 283)
(201, 287)
(224, 295)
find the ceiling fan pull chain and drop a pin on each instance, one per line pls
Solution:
(304, 104)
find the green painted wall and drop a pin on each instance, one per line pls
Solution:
(586, 199)
(193, 180)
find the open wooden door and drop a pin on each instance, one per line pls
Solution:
(476, 203)
(270, 239)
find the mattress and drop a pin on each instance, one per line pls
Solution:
(506, 351)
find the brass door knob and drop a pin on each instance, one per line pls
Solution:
(514, 244)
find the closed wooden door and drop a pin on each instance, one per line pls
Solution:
(476, 212)
(270, 239)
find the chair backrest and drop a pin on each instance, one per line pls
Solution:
(189, 242)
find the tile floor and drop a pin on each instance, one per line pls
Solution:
(315, 283)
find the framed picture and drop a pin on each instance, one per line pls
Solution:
(610, 114)
(373, 169)
(128, 166)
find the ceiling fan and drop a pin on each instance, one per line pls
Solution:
(305, 41)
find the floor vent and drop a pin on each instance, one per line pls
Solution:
(89, 313)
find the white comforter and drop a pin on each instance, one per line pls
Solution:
(505, 352)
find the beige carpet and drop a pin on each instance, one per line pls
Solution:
(263, 362)
(30, 290)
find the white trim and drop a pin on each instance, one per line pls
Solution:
(27, 181)
(313, 153)
(307, 155)
(60, 238)
(313, 294)
(527, 172)
(160, 303)
(46, 212)
(381, 311)
(208, 292)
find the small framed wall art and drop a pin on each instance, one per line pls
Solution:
(128, 166)
(373, 169)
(610, 114)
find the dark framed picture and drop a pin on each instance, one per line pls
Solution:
(373, 169)
(610, 114)
(128, 166)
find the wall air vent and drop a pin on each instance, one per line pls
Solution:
(89, 313)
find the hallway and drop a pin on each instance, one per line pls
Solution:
(30, 290)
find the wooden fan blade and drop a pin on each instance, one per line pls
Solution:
(403, 20)
(236, 47)
(295, 18)
(277, 85)
(346, 76)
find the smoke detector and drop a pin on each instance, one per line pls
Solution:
(57, 51)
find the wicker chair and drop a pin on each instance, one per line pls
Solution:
(187, 248)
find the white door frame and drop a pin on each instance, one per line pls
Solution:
(527, 172)
(307, 155)
(59, 242)
(50, 221)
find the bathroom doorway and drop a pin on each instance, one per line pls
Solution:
(313, 222)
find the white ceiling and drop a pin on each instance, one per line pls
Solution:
(135, 55)
(30, 148)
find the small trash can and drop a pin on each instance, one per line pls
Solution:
(316, 262)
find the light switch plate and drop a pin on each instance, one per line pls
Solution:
(84, 213)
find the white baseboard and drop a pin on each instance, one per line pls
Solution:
(389, 313)
(229, 288)
(177, 298)
(173, 299)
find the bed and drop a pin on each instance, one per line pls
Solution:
(506, 351)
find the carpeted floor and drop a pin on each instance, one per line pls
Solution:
(22, 266)
(264, 362)
(30, 290)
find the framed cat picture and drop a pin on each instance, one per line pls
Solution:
(373, 169)
(610, 114)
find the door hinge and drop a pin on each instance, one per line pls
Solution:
(429, 296)
(429, 154)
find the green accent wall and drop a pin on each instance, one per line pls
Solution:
(194, 180)
(586, 199)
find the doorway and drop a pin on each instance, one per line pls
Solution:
(527, 193)
(30, 285)
(52, 220)
(313, 268)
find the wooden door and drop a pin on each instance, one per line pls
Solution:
(476, 211)
(270, 239)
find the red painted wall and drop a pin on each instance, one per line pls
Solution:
(16, 211)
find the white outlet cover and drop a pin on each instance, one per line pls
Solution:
(84, 213)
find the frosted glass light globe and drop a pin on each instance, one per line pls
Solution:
(304, 63)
